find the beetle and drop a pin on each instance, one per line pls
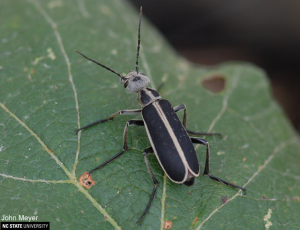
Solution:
(169, 138)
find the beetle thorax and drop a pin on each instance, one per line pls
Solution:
(146, 96)
(134, 82)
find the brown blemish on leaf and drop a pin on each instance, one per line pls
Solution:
(244, 159)
(263, 197)
(196, 221)
(224, 199)
(296, 198)
(86, 180)
(168, 224)
(214, 83)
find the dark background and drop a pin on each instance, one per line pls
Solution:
(263, 32)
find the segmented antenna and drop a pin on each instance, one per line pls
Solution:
(101, 65)
(139, 41)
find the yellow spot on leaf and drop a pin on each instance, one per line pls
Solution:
(36, 60)
(105, 10)
(267, 219)
(165, 78)
(54, 4)
(51, 54)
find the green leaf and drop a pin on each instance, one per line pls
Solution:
(47, 91)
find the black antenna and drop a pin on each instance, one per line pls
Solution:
(139, 41)
(101, 65)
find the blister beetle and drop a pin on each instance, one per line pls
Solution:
(169, 138)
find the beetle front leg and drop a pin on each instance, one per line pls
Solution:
(206, 169)
(146, 152)
(183, 107)
(111, 117)
(125, 146)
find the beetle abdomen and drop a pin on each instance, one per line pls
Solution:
(170, 141)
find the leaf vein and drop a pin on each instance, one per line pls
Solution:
(70, 175)
(37, 180)
(276, 149)
(61, 46)
(38, 139)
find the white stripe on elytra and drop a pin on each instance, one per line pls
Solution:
(150, 94)
(154, 149)
(172, 134)
(173, 137)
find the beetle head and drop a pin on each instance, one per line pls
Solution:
(134, 82)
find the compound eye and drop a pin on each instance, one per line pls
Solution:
(126, 84)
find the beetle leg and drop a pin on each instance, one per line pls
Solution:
(180, 108)
(125, 146)
(146, 152)
(183, 107)
(206, 169)
(111, 117)
(203, 134)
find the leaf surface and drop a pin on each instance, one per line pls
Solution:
(47, 91)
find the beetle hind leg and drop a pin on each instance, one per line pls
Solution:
(183, 107)
(206, 169)
(146, 152)
(203, 134)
